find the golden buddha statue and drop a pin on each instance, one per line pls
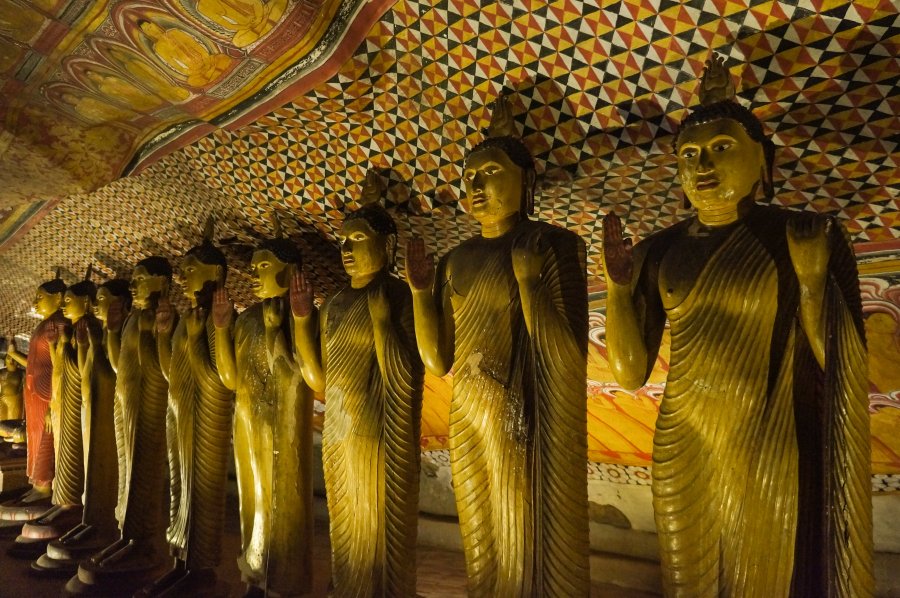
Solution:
(188, 58)
(248, 20)
(272, 428)
(139, 555)
(761, 455)
(11, 385)
(38, 393)
(509, 315)
(97, 527)
(363, 357)
(198, 427)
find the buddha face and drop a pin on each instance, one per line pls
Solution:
(493, 186)
(719, 164)
(75, 306)
(46, 303)
(101, 304)
(272, 276)
(144, 286)
(363, 251)
(198, 276)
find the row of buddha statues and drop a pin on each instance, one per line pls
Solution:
(760, 460)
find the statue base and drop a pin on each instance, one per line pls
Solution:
(64, 554)
(180, 581)
(28, 507)
(120, 569)
(36, 534)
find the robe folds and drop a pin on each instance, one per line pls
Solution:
(198, 429)
(68, 484)
(761, 458)
(37, 395)
(518, 438)
(272, 428)
(370, 443)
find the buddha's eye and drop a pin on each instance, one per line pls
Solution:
(721, 146)
(689, 152)
(468, 175)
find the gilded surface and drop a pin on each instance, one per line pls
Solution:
(68, 484)
(11, 384)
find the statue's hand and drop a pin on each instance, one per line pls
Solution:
(618, 262)
(82, 334)
(48, 423)
(528, 258)
(115, 315)
(301, 295)
(273, 313)
(165, 316)
(222, 308)
(53, 333)
(195, 322)
(807, 239)
(379, 306)
(419, 265)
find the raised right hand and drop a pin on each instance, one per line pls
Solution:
(165, 316)
(618, 262)
(115, 315)
(419, 265)
(301, 295)
(222, 308)
(81, 331)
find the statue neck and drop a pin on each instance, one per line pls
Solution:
(498, 228)
(724, 215)
(363, 280)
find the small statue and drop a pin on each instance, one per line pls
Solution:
(38, 393)
(509, 314)
(11, 385)
(86, 364)
(139, 555)
(198, 427)
(372, 377)
(761, 454)
(272, 428)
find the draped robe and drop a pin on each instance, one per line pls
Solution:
(370, 443)
(518, 438)
(761, 459)
(68, 484)
(38, 391)
(198, 431)
(272, 433)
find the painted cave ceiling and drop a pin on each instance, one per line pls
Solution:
(248, 108)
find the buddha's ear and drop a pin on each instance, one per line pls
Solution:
(528, 189)
(391, 247)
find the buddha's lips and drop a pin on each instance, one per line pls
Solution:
(478, 200)
(707, 183)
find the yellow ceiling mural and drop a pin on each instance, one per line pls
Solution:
(89, 90)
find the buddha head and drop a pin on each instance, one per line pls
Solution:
(109, 291)
(150, 29)
(204, 268)
(79, 300)
(49, 296)
(723, 153)
(272, 266)
(368, 241)
(150, 279)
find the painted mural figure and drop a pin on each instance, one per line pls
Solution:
(185, 55)
(508, 313)
(367, 365)
(272, 428)
(198, 427)
(84, 365)
(761, 455)
(249, 20)
(38, 393)
(141, 390)
(118, 89)
(148, 76)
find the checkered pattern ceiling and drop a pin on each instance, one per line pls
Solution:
(597, 91)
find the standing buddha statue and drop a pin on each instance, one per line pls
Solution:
(272, 428)
(11, 385)
(198, 428)
(363, 357)
(761, 482)
(138, 556)
(507, 311)
(38, 392)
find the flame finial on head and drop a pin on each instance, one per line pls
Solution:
(502, 122)
(373, 189)
(716, 84)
